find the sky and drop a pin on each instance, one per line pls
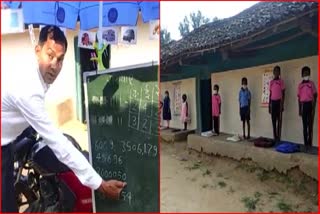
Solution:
(171, 12)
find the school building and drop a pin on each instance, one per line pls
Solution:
(65, 98)
(248, 45)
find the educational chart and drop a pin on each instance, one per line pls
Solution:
(124, 128)
(267, 76)
(177, 98)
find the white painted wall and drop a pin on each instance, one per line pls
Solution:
(17, 55)
(188, 87)
(230, 83)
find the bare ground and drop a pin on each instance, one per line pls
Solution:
(195, 182)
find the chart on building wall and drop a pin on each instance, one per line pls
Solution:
(267, 76)
(177, 98)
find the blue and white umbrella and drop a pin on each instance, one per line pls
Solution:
(90, 15)
(66, 13)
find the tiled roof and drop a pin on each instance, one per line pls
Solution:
(249, 21)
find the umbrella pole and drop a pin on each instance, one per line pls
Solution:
(31, 33)
(100, 24)
(33, 40)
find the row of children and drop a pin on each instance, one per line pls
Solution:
(166, 112)
(307, 97)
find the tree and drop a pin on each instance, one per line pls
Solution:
(196, 19)
(165, 37)
(184, 27)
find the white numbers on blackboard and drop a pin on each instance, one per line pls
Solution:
(126, 79)
(109, 159)
(134, 120)
(103, 145)
(143, 112)
(127, 196)
(112, 174)
(144, 126)
(102, 120)
(145, 149)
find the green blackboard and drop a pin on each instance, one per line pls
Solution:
(123, 118)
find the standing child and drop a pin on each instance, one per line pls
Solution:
(216, 110)
(244, 103)
(166, 113)
(184, 111)
(276, 102)
(307, 99)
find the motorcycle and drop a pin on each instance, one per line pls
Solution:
(42, 182)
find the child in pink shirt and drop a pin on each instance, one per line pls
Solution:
(216, 110)
(184, 111)
(307, 99)
(276, 102)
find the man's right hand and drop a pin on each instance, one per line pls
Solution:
(112, 188)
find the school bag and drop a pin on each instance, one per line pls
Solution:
(264, 142)
(287, 147)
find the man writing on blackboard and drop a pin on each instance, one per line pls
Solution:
(23, 104)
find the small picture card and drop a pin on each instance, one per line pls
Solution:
(12, 21)
(129, 35)
(86, 39)
(154, 29)
(110, 35)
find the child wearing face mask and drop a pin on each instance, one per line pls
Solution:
(276, 102)
(184, 111)
(216, 110)
(244, 104)
(307, 99)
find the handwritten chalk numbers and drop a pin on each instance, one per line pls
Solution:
(119, 120)
(99, 145)
(145, 125)
(126, 196)
(104, 145)
(133, 121)
(112, 174)
(126, 146)
(109, 159)
(145, 149)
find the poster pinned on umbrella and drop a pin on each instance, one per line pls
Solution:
(86, 39)
(267, 76)
(154, 29)
(128, 35)
(12, 21)
(110, 35)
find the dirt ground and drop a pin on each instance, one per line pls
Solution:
(195, 182)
